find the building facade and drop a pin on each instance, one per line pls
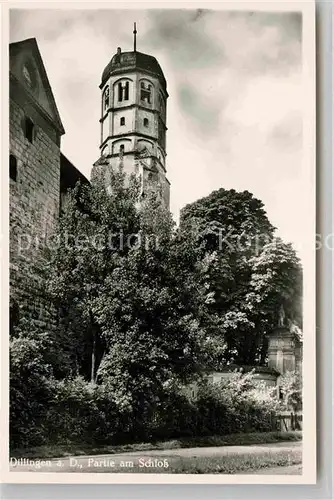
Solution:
(133, 134)
(133, 119)
(39, 175)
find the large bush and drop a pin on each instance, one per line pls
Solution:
(236, 404)
(31, 389)
(44, 410)
(292, 389)
(76, 411)
(87, 413)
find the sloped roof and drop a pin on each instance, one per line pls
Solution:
(127, 61)
(69, 174)
(30, 45)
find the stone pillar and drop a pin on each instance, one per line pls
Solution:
(281, 350)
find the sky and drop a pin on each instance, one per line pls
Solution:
(235, 109)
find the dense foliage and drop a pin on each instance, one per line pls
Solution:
(250, 275)
(89, 413)
(292, 388)
(142, 309)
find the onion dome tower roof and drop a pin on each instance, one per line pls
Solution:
(123, 62)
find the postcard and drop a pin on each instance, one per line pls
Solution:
(160, 204)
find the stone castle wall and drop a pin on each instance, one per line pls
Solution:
(34, 206)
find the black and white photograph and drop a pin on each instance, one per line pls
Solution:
(161, 274)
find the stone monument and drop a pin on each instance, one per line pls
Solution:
(284, 346)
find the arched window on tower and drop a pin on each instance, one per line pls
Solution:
(106, 98)
(145, 92)
(123, 91)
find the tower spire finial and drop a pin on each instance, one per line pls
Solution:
(134, 37)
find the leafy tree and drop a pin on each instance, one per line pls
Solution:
(87, 246)
(148, 312)
(229, 220)
(129, 308)
(276, 283)
(31, 386)
(248, 274)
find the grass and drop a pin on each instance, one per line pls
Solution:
(75, 449)
(233, 464)
(226, 462)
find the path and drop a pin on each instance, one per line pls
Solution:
(288, 470)
(108, 463)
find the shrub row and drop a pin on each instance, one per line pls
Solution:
(75, 411)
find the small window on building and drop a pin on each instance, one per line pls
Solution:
(12, 167)
(29, 129)
(123, 91)
(145, 122)
(122, 121)
(121, 148)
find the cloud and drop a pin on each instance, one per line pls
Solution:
(214, 55)
(180, 33)
(287, 134)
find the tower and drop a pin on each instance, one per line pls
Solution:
(133, 117)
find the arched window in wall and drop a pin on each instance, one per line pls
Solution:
(145, 92)
(123, 91)
(121, 145)
(106, 100)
